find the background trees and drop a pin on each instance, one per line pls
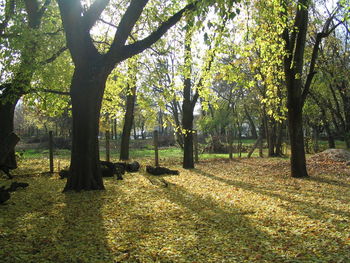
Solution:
(228, 70)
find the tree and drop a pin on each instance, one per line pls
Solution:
(22, 37)
(91, 71)
(129, 111)
(297, 91)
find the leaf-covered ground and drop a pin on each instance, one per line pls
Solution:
(246, 210)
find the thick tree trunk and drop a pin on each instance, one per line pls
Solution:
(7, 111)
(128, 121)
(86, 92)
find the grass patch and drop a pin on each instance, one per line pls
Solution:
(247, 210)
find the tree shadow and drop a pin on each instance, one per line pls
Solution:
(317, 212)
(83, 228)
(327, 181)
(231, 235)
(56, 228)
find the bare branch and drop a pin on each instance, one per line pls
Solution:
(65, 93)
(54, 56)
(107, 23)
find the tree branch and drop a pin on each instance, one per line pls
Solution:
(43, 9)
(9, 12)
(94, 12)
(65, 93)
(78, 38)
(141, 45)
(325, 33)
(126, 24)
(54, 56)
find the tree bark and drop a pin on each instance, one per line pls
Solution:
(251, 123)
(7, 111)
(271, 137)
(127, 127)
(187, 127)
(87, 88)
(293, 68)
(345, 95)
(295, 128)
(279, 140)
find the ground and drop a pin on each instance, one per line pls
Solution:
(246, 210)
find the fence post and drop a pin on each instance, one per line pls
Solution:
(107, 146)
(51, 151)
(195, 138)
(155, 141)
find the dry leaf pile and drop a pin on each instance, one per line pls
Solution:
(247, 210)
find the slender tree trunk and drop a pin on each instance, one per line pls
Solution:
(115, 129)
(187, 124)
(315, 138)
(331, 141)
(271, 137)
(178, 133)
(128, 121)
(261, 136)
(135, 132)
(86, 92)
(279, 140)
(251, 123)
(345, 94)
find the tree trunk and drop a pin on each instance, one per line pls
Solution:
(345, 95)
(251, 124)
(295, 127)
(279, 140)
(296, 92)
(187, 124)
(188, 103)
(271, 137)
(135, 132)
(86, 92)
(7, 111)
(315, 138)
(178, 133)
(128, 121)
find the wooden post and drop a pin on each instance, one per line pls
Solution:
(195, 139)
(51, 151)
(155, 141)
(107, 146)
